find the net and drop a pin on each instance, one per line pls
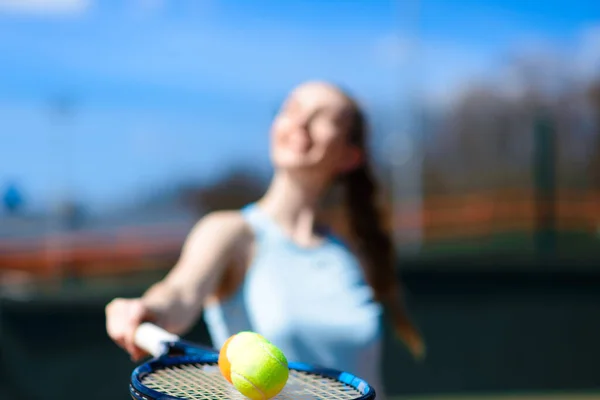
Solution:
(205, 381)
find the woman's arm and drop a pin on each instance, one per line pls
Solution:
(176, 301)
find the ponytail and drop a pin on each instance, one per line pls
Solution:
(373, 241)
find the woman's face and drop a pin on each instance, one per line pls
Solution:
(310, 131)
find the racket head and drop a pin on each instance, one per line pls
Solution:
(196, 375)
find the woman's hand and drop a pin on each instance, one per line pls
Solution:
(175, 302)
(123, 316)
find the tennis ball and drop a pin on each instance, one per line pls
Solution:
(255, 367)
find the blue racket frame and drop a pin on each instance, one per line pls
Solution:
(193, 354)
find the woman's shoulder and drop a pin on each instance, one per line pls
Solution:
(338, 239)
(344, 246)
(222, 225)
(232, 218)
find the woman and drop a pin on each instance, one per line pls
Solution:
(271, 268)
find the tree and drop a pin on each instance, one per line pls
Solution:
(594, 166)
(239, 187)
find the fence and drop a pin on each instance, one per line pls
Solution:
(455, 218)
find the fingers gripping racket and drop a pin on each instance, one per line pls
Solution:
(184, 370)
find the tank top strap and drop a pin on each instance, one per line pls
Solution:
(266, 230)
(259, 224)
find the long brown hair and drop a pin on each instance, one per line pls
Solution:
(372, 240)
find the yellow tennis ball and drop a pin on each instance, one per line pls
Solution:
(255, 367)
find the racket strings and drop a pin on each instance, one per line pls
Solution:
(204, 381)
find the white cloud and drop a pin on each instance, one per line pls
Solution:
(44, 7)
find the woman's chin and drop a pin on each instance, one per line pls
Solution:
(293, 164)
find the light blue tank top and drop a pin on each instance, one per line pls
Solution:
(314, 304)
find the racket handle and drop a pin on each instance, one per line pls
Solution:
(151, 338)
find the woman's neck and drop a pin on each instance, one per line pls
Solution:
(293, 204)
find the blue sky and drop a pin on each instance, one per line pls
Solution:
(172, 89)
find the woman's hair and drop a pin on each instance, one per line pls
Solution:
(360, 193)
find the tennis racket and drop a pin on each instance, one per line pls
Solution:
(183, 370)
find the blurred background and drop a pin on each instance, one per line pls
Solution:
(122, 123)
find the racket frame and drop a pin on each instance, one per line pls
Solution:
(176, 351)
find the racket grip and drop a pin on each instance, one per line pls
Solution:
(151, 338)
